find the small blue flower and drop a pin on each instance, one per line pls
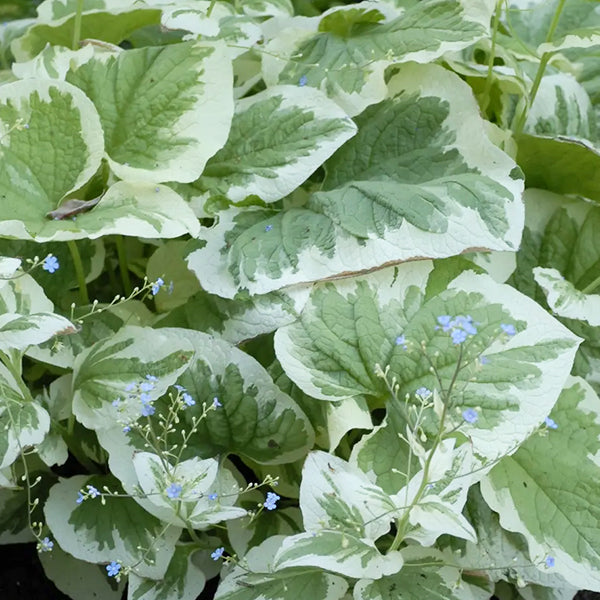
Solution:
(549, 561)
(146, 386)
(423, 393)
(50, 264)
(458, 336)
(130, 387)
(145, 398)
(157, 285)
(151, 378)
(157, 189)
(484, 360)
(401, 341)
(45, 545)
(174, 491)
(444, 321)
(470, 415)
(271, 502)
(116, 403)
(508, 329)
(550, 423)
(303, 81)
(147, 410)
(80, 498)
(92, 491)
(189, 401)
(216, 555)
(180, 388)
(465, 323)
(126, 429)
(213, 496)
(113, 569)
(268, 227)
(216, 402)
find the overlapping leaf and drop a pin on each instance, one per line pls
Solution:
(117, 530)
(299, 129)
(420, 179)
(164, 110)
(548, 490)
(346, 50)
(352, 330)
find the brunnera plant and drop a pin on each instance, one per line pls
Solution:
(302, 296)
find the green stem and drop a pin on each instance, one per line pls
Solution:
(83, 293)
(77, 26)
(210, 8)
(588, 289)
(488, 82)
(123, 266)
(540, 72)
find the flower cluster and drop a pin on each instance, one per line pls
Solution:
(45, 545)
(459, 327)
(271, 502)
(89, 492)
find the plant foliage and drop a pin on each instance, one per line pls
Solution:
(303, 296)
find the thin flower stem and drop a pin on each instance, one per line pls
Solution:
(83, 292)
(488, 81)
(77, 26)
(588, 289)
(210, 8)
(518, 129)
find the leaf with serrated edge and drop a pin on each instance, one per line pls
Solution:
(548, 490)
(300, 129)
(101, 373)
(257, 581)
(177, 118)
(182, 581)
(350, 326)
(438, 193)
(34, 161)
(118, 530)
(22, 422)
(349, 65)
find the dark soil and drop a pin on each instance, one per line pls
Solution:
(22, 578)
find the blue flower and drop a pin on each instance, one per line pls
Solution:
(216, 402)
(213, 496)
(508, 329)
(151, 378)
(216, 555)
(174, 490)
(45, 545)
(126, 429)
(423, 393)
(50, 264)
(470, 415)
(268, 227)
(401, 341)
(303, 81)
(80, 498)
(271, 502)
(550, 423)
(147, 410)
(549, 561)
(444, 321)
(465, 323)
(157, 285)
(92, 491)
(484, 360)
(130, 387)
(458, 336)
(189, 401)
(113, 569)
(146, 386)
(179, 388)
